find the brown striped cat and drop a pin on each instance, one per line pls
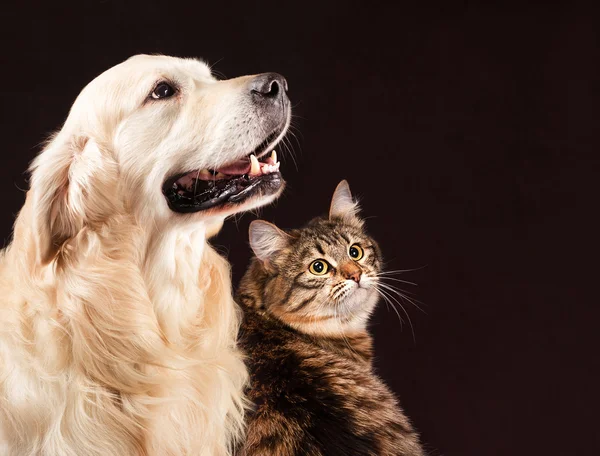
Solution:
(307, 297)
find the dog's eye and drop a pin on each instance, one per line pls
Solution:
(162, 90)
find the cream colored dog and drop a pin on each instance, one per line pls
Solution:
(117, 326)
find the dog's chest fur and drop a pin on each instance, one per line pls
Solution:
(126, 347)
(191, 293)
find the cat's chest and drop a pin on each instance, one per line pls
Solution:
(283, 361)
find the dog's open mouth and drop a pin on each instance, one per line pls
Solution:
(232, 183)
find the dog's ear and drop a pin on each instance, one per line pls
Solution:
(267, 240)
(343, 205)
(62, 181)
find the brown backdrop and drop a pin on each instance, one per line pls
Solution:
(467, 131)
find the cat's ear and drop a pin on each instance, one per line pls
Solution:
(343, 205)
(267, 240)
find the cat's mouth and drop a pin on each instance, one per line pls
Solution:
(231, 183)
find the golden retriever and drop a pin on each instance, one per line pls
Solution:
(117, 328)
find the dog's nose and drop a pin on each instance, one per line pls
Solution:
(268, 86)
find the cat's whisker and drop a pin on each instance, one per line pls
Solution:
(387, 306)
(393, 287)
(400, 294)
(339, 291)
(403, 293)
(394, 271)
(412, 329)
(374, 278)
(380, 281)
(400, 271)
(413, 301)
(396, 280)
(335, 288)
(389, 303)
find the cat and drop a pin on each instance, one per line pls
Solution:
(307, 297)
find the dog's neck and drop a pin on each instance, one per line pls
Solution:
(182, 271)
(171, 271)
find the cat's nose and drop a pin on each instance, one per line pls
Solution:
(355, 277)
(351, 272)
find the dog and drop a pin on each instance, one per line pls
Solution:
(118, 328)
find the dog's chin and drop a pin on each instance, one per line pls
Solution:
(263, 195)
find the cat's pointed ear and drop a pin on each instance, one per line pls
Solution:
(343, 205)
(267, 240)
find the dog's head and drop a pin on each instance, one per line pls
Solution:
(162, 140)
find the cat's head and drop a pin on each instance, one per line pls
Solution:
(322, 278)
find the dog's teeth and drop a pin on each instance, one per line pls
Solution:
(205, 173)
(268, 169)
(254, 165)
(272, 159)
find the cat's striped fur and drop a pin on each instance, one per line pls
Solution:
(308, 348)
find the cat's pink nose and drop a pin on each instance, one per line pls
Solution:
(355, 277)
(351, 272)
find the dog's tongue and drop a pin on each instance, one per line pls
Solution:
(241, 166)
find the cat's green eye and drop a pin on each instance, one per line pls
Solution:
(319, 267)
(356, 252)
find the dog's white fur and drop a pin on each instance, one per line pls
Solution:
(117, 326)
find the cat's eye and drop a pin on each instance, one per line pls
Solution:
(319, 267)
(356, 252)
(162, 90)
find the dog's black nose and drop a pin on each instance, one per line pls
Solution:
(268, 85)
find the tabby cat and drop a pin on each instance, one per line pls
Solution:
(307, 297)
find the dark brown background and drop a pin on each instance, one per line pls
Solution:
(468, 133)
